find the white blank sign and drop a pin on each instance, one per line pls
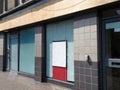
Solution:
(59, 54)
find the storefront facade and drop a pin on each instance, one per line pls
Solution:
(75, 49)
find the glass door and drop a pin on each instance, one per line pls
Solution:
(112, 54)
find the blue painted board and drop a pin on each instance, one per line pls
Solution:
(27, 51)
(61, 31)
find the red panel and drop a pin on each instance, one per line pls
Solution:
(60, 73)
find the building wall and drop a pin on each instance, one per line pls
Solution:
(85, 43)
(40, 67)
(1, 51)
(49, 9)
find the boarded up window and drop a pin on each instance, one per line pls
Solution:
(27, 52)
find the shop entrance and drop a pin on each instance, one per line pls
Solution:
(111, 38)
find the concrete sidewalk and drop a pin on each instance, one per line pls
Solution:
(10, 81)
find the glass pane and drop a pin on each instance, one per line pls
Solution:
(113, 40)
(113, 53)
(111, 12)
(113, 79)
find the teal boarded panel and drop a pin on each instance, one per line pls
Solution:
(27, 51)
(14, 54)
(57, 32)
(70, 62)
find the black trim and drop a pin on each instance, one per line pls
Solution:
(5, 52)
(103, 63)
(99, 41)
(111, 17)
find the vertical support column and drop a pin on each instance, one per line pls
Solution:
(85, 52)
(40, 68)
(1, 50)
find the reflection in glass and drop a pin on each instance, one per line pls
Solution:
(113, 40)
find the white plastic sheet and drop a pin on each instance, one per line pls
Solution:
(59, 54)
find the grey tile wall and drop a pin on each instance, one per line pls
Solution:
(39, 54)
(85, 43)
(86, 76)
(38, 68)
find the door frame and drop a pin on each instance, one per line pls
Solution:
(103, 62)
